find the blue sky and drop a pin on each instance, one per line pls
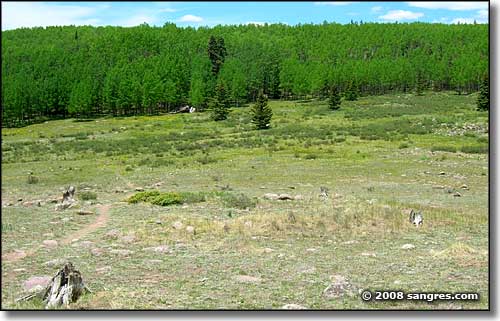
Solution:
(31, 14)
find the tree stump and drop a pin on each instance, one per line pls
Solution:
(64, 288)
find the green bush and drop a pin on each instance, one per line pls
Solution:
(240, 201)
(403, 145)
(475, 149)
(166, 199)
(444, 148)
(143, 197)
(87, 195)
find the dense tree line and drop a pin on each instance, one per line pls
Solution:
(87, 71)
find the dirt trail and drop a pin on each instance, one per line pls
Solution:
(100, 221)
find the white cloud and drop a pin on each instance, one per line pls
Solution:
(396, 15)
(190, 18)
(482, 14)
(39, 14)
(332, 3)
(455, 6)
(377, 9)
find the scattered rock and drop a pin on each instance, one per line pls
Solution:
(292, 306)
(298, 197)
(457, 194)
(438, 187)
(48, 234)
(177, 225)
(19, 270)
(408, 247)
(159, 222)
(113, 234)
(103, 269)
(340, 286)
(350, 242)
(83, 212)
(86, 244)
(442, 173)
(311, 250)
(139, 189)
(36, 283)
(50, 243)
(55, 263)
(96, 251)
(268, 250)
(190, 229)
(247, 279)
(464, 186)
(154, 261)
(291, 187)
(19, 199)
(271, 196)
(371, 254)
(159, 249)
(397, 282)
(285, 197)
(128, 238)
(121, 252)
(32, 203)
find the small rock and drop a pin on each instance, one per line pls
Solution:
(408, 246)
(86, 244)
(19, 270)
(247, 279)
(128, 239)
(83, 212)
(285, 197)
(190, 229)
(19, 199)
(248, 224)
(340, 286)
(96, 251)
(438, 187)
(50, 243)
(457, 194)
(36, 283)
(311, 250)
(298, 197)
(177, 225)
(48, 234)
(464, 187)
(113, 234)
(139, 189)
(158, 222)
(442, 173)
(292, 306)
(350, 242)
(291, 187)
(121, 252)
(371, 254)
(159, 249)
(397, 282)
(154, 261)
(271, 196)
(103, 269)
(268, 250)
(55, 263)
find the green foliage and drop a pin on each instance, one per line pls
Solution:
(483, 99)
(261, 112)
(167, 198)
(146, 196)
(147, 70)
(420, 84)
(475, 149)
(444, 148)
(352, 91)
(239, 200)
(334, 98)
(220, 104)
(87, 195)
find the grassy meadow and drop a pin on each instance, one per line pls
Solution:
(220, 244)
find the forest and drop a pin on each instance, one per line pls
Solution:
(84, 71)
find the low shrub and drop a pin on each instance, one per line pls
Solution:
(240, 201)
(475, 149)
(444, 148)
(87, 195)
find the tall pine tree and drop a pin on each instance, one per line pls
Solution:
(334, 98)
(483, 99)
(261, 112)
(220, 103)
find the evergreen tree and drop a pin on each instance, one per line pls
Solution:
(220, 103)
(351, 93)
(483, 99)
(334, 98)
(216, 52)
(420, 85)
(261, 112)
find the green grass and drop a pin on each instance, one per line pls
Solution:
(379, 156)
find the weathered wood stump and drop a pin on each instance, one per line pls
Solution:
(64, 288)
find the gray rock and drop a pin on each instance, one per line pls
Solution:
(408, 246)
(271, 196)
(50, 243)
(285, 197)
(121, 252)
(36, 282)
(339, 287)
(159, 249)
(190, 229)
(177, 225)
(293, 306)
(96, 251)
(55, 263)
